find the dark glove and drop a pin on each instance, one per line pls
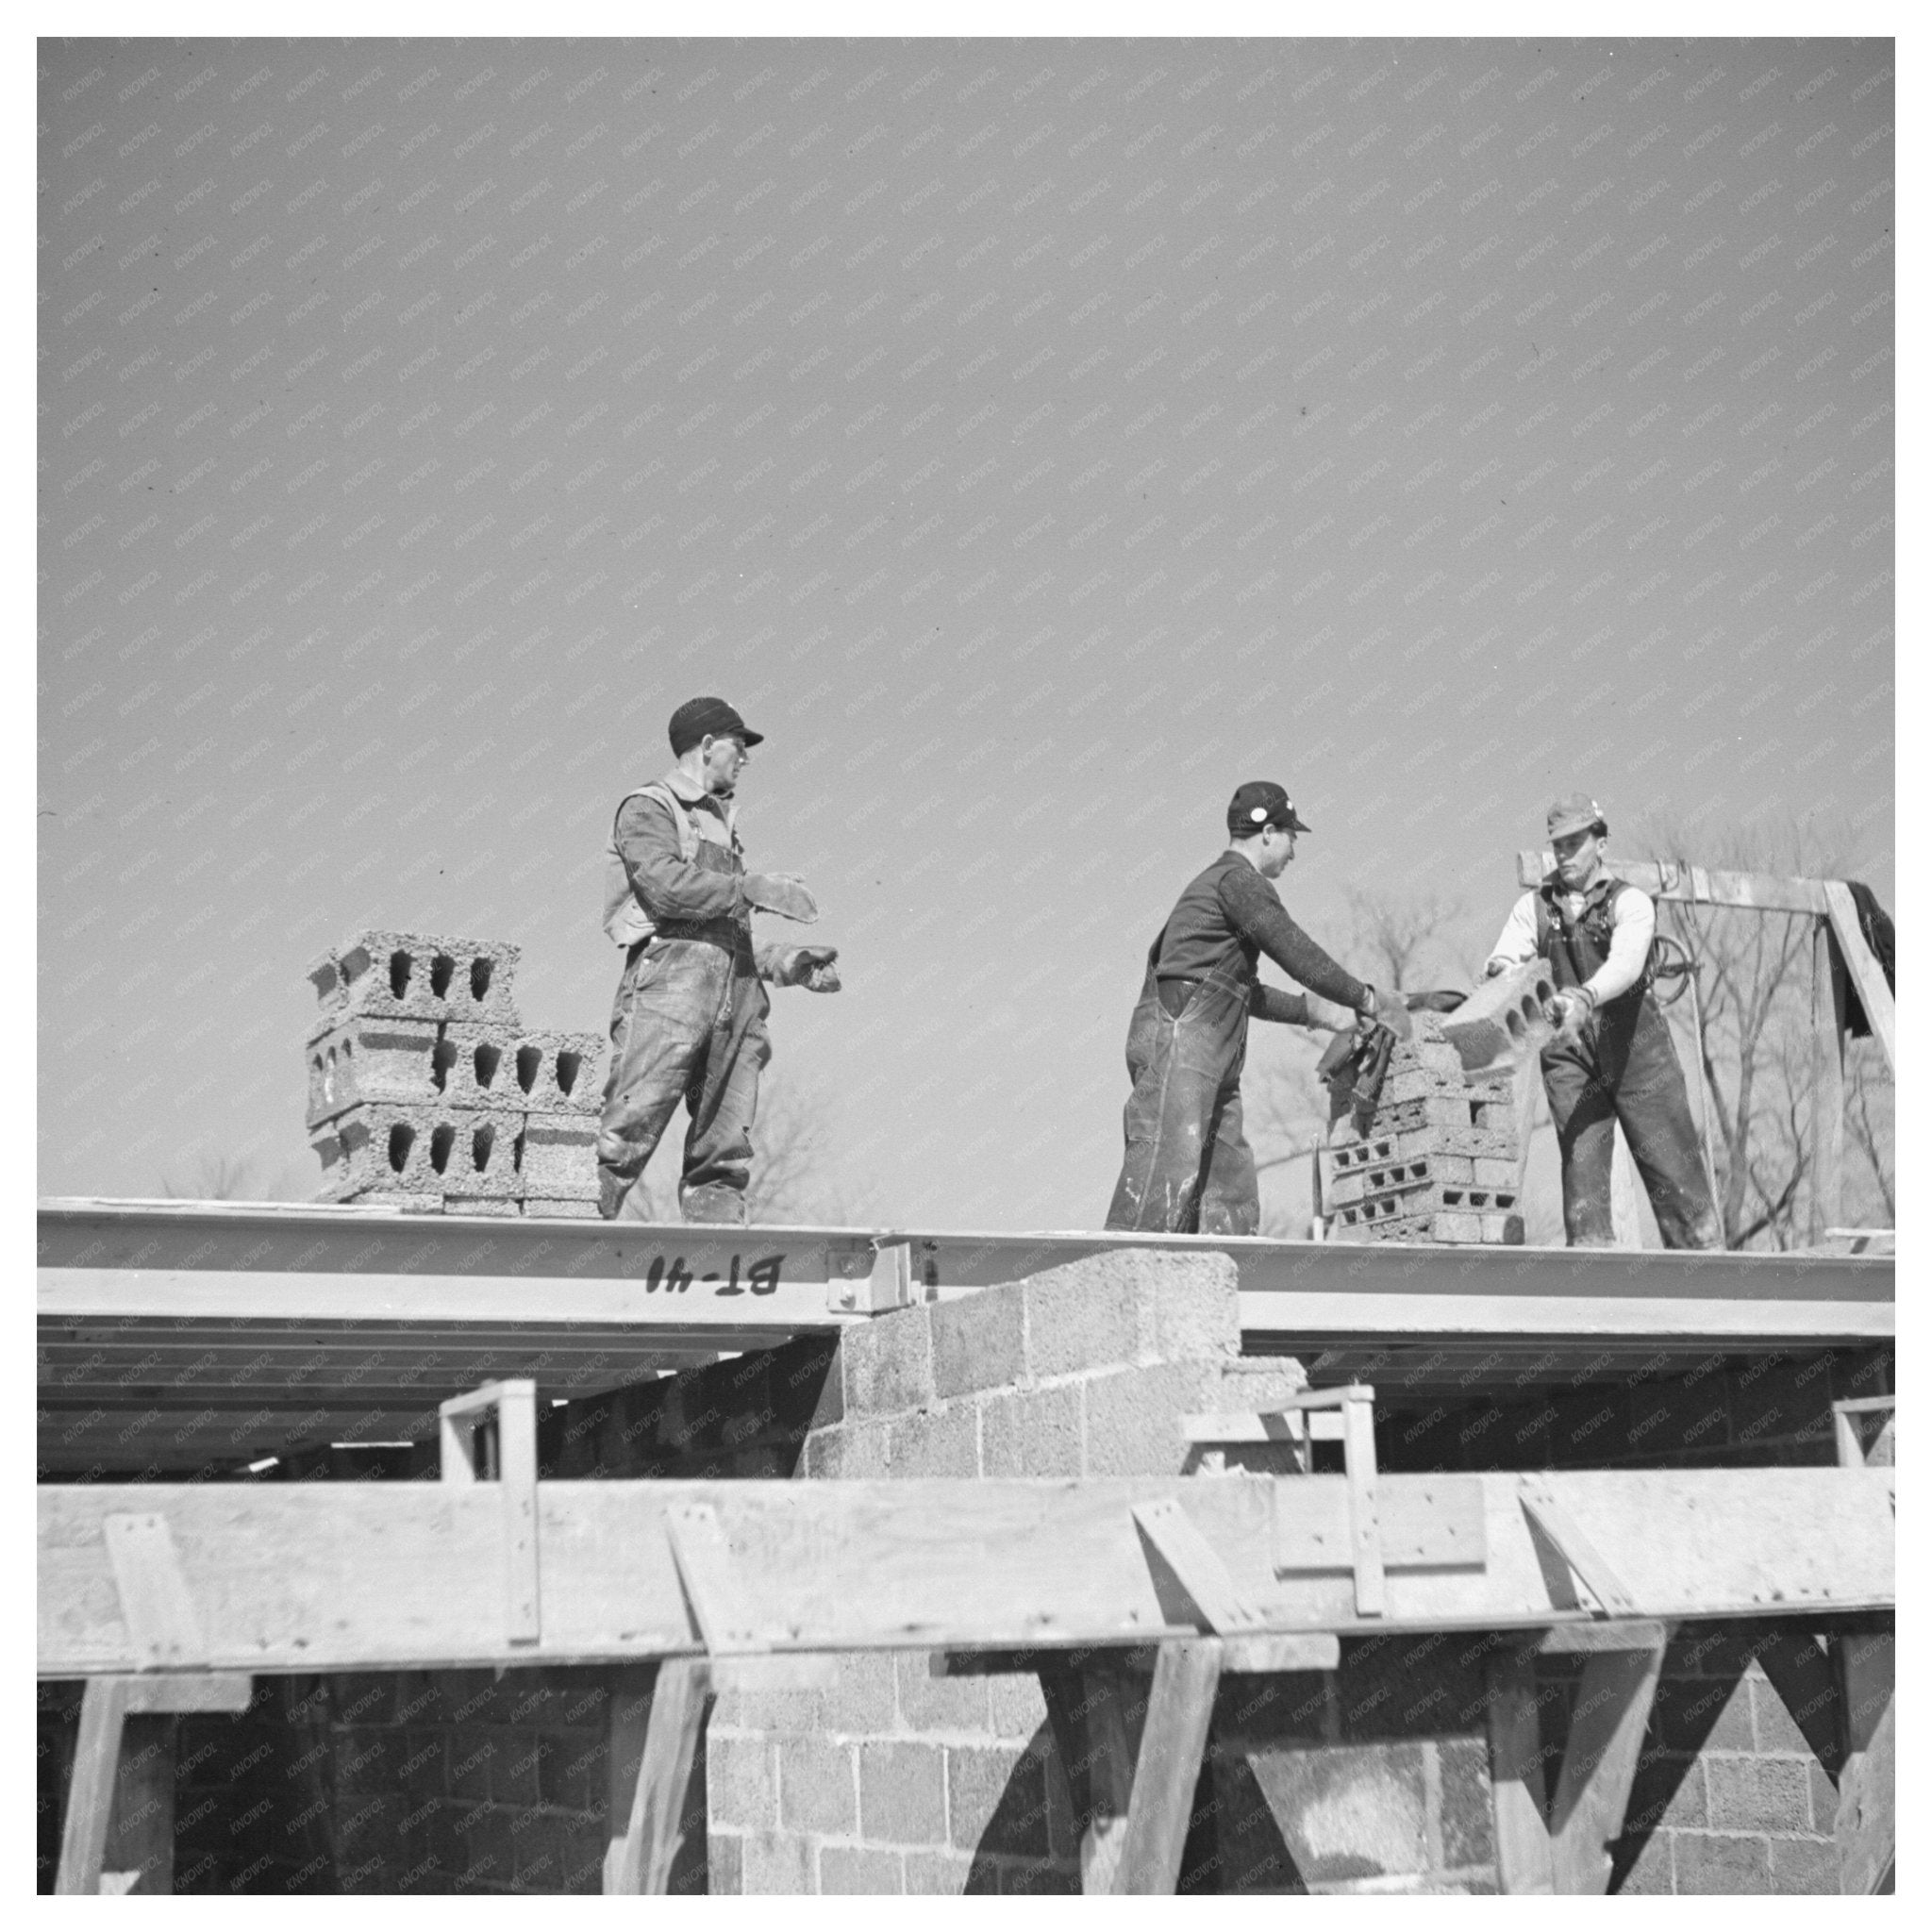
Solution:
(779, 892)
(810, 967)
(1390, 1014)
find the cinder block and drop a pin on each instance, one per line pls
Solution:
(938, 1704)
(1133, 1416)
(935, 1442)
(902, 1793)
(1757, 1793)
(525, 1073)
(850, 1870)
(741, 1780)
(488, 1205)
(815, 1789)
(1348, 1811)
(556, 1156)
(1018, 1710)
(947, 1874)
(1131, 1306)
(864, 1701)
(396, 975)
(1709, 1863)
(853, 1450)
(1504, 1020)
(1804, 1865)
(417, 1150)
(583, 1208)
(1031, 1431)
(996, 1801)
(775, 1864)
(371, 1059)
(886, 1364)
(979, 1341)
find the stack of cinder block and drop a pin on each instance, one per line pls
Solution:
(1440, 1159)
(426, 1091)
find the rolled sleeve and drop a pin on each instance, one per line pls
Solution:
(1633, 926)
(1516, 944)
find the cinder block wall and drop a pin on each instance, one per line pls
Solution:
(897, 1782)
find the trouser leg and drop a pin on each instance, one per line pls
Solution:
(1166, 1123)
(718, 1149)
(1585, 1116)
(659, 1027)
(1231, 1196)
(1655, 1109)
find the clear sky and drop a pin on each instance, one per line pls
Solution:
(1034, 440)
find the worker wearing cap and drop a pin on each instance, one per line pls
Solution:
(689, 1021)
(1187, 1168)
(1612, 1060)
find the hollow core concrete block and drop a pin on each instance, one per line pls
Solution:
(408, 975)
(417, 1150)
(558, 1159)
(1504, 1020)
(366, 1058)
(481, 1064)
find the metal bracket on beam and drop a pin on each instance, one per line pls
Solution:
(465, 1458)
(877, 1277)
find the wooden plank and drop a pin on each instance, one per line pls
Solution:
(1866, 1825)
(705, 1568)
(347, 1575)
(1693, 885)
(1827, 1081)
(626, 1727)
(1179, 1709)
(1195, 1564)
(1588, 1639)
(90, 1787)
(162, 1627)
(1866, 973)
(1364, 1498)
(1516, 1775)
(1427, 1522)
(1243, 1655)
(1607, 1726)
(680, 1701)
(1576, 1549)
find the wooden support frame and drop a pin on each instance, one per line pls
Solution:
(463, 1439)
(656, 1720)
(1542, 1505)
(1852, 1450)
(121, 1796)
(1132, 1757)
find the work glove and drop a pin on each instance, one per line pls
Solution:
(779, 892)
(810, 967)
(1390, 1014)
(1569, 1008)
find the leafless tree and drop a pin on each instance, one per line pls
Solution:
(229, 1177)
(1754, 992)
(1401, 934)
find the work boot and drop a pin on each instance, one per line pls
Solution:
(713, 1205)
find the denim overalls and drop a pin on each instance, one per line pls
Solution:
(1187, 1169)
(688, 1023)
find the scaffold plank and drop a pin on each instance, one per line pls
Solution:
(349, 1575)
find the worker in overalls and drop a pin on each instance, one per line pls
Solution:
(689, 1021)
(1612, 1059)
(1189, 1168)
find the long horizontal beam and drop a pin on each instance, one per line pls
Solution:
(116, 1261)
(349, 1575)
(1695, 884)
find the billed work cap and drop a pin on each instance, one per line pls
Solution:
(1576, 813)
(1260, 802)
(702, 718)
